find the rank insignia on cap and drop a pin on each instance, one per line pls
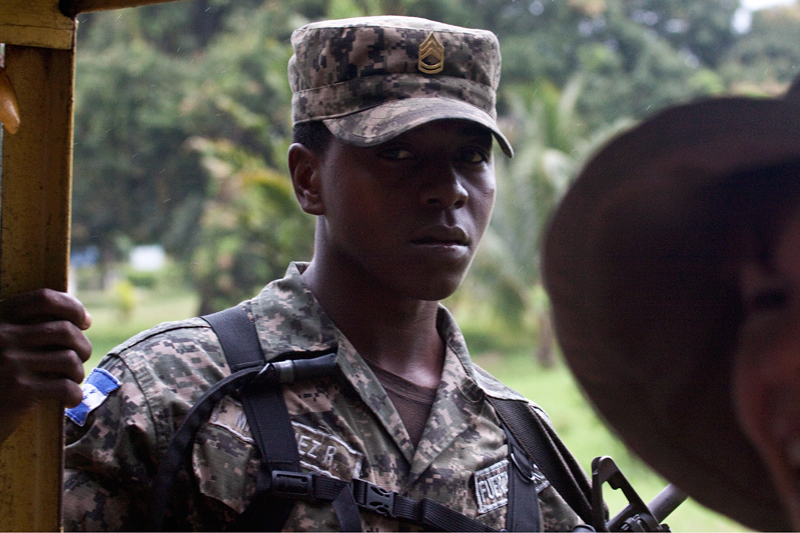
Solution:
(431, 55)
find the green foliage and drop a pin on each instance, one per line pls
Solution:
(125, 299)
(125, 183)
(766, 59)
(551, 142)
(143, 280)
(252, 227)
(139, 106)
(636, 55)
(152, 79)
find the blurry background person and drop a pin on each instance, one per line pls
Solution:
(673, 266)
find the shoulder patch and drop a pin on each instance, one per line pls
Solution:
(96, 389)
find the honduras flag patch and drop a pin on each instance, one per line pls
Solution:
(96, 389)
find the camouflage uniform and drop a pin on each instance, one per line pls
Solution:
(345, 427)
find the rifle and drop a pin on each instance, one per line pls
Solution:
(637, 515)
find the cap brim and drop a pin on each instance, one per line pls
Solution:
(644, 320)
(379, 124)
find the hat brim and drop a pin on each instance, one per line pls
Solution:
(643, 316)
(382, 123)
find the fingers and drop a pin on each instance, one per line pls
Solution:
(47, 364)
(64, 391)
(47, 335)
(28, 389)
(42, 348)
(44, 305)
(29, 376)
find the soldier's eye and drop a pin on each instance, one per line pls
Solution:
(397, 153)
(474, 155)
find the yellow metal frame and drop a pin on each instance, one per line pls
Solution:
(35, 203)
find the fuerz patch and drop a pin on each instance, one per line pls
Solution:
(96, 389)
(491, 487)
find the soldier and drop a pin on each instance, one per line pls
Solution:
(673, 268)
(394, 122)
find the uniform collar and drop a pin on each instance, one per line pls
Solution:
(289, 319)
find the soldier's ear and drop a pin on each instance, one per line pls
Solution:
(304, 167)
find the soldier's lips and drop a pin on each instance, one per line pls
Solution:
(441, 236)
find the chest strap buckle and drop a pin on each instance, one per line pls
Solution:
(380, 500)
(292, 485)
(374, 498)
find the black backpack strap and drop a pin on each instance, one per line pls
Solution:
(260, 384)
(544, 447)
(179, 447)
(524, 513)
(242, 349)
(238, 337)
(271, 427)
(431, 515)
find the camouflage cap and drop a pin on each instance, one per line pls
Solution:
(370, 79)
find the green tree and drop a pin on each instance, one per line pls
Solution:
(251, 228)
(700, 29)
(767, 58)
(550, 143)
(132, 170)
(136, 175)
(636, 55)
(571, 68)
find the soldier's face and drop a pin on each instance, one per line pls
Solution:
(407, 216)
(767, 366)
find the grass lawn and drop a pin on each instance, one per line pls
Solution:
(110, 327)
(552, 388)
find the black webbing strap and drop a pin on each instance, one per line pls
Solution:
(432, 516)
(180, 446)
(275, 440)
(523, 512)
(280, 481)
(542, 445)
(279, 471)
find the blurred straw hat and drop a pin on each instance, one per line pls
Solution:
(643, 315)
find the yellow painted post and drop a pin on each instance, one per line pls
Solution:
(73, 7)
(35, 196)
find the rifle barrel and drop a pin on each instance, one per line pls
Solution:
(666, 501)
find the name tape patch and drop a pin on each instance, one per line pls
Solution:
(327, 454)
(96, 389)
(491, 487)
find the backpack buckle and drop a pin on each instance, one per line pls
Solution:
(295, 485)
(379, 500)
